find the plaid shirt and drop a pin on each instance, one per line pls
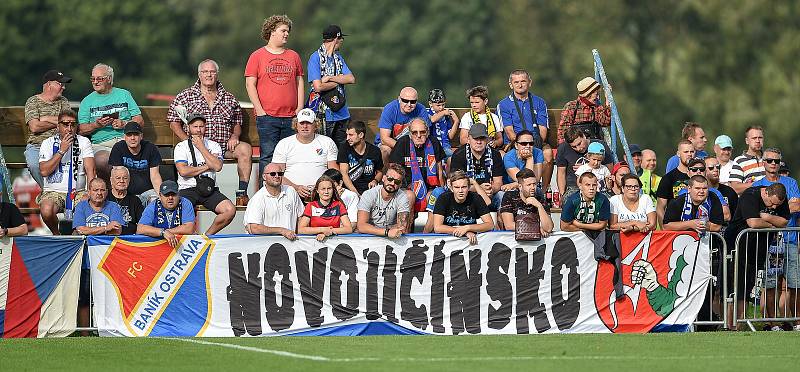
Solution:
(599, 113)
(220, 120)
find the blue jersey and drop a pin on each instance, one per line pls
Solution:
(441, 128)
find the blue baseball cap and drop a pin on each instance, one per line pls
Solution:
(596, 148)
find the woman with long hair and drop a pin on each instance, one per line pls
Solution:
(325, 215)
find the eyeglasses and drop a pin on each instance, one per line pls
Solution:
(419, 132)
(772, 161)
(525, 143)
(712, 167)
(393, 180)
(698, 169)
(632, 187)
(68, 123)
(275, 174)
(97, 78)
(208, 72)
(408, 101)
(60, 84)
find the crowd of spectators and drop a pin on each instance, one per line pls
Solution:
(320, 175)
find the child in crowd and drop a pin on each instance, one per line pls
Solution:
(444, 121)
(594, 163)
(325, 215)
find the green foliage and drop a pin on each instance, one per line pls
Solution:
(724, 64)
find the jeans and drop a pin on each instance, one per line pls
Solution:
(270, 131)
(337, 131)
(32, 159)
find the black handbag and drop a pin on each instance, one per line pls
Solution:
(205, 184)
(333, 98)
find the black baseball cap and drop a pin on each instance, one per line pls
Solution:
(133, 127)
(55, 75)
(436, 96)
(332, 32)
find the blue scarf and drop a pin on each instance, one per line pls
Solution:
(703, 210)
(418, 184)
(72, 174)
(488, 162)
(162, 220)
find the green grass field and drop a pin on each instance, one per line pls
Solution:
(721, 351)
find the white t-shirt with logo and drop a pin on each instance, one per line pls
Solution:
(59, 179)
(280, 210)
(624, 214)
(305, 162)
(182, 155)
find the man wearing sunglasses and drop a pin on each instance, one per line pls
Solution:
(275, 208)
(104, 113)
(772, 164)
(382, 210)
(697, 167)
(525, 155)
(395, 119)
(713, 169)
(41, 115)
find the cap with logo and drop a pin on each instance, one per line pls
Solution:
(596, 148)
(478, 130)
(436, 96)
(55, 75)
(133, 127)
(332, 32)
(723, 141)
(306, 115)
(194, 116)
(168, 187)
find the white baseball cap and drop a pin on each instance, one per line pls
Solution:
(306, 115)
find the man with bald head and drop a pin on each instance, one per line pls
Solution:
(395, 117)
(421, 156)
(275, 208)
(648, 176)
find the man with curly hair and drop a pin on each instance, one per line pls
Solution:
(274, 82)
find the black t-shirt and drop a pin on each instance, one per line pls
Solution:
(512, 203)
(751, 205)
(567, 157)
(10, 216)
(132, 209)
(139, 165)
(671, 184)
(362, 167)
(401, 155)
(460, 214)
(730, 195)
(674, 210)
(459, 161)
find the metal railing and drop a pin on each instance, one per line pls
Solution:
(715, 310)
(767, 272)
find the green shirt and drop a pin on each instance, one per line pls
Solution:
(35, 108)
(95, 105)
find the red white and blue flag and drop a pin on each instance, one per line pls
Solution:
(39, 279)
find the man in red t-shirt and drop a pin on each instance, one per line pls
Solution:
(274, 81)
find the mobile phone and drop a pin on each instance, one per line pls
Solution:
(113, 115)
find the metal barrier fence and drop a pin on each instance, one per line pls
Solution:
(715, 311)
(766, 276)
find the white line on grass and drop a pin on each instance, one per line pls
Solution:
(318, 358)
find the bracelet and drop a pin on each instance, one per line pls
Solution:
(61, 152)
(386, 233)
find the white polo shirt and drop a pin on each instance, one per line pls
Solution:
(280, 210)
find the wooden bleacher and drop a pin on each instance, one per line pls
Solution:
(156, 129)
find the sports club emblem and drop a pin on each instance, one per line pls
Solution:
(657, 273)
(162, 290)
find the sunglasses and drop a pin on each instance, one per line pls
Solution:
(712, 167)
(525, 143)
(68, 123)
(419, 132)
(408, 101)
(772, 161)
(697, 169)
(393, 180)
(275, 174)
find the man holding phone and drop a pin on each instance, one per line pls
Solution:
(104, 113)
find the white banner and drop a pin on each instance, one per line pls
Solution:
(431, 284)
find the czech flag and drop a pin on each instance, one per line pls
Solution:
(39, 279)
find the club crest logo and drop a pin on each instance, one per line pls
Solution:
(657, 271)
(161, 287)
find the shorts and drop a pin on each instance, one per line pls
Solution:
(105, 145)
(147, 197)
(85, 288)
(210, 202)
(789, 269)
(59, 198)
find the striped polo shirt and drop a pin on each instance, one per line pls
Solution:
(747, 168)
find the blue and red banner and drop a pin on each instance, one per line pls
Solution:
(39, 278)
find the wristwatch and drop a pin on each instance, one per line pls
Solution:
(162, 233)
